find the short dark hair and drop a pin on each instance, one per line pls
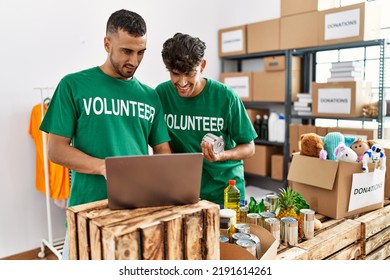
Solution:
(183, 52)
(128, 21)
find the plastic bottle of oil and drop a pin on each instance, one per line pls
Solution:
(232, 198)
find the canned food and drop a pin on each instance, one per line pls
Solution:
(216, 141)
(243, 214)
(289, 231)
(256, 239)
(265, 215)
(307, 223)
(273, 226)
(223, 239)
(253, 218)
(240, 235)
(242, 228)
(248, 245)
(272, 200)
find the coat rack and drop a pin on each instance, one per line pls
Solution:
(56, 246)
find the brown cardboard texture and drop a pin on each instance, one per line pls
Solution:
(278, 63)
(263, 36)
(340, 99)
(232, 41)
(240, 82)
(364, 133)
(299, 31)
(260, 162)
(352, 23)
(326, 185)
(292, 7)
(271, 86)
(269, 247)
(277, 167)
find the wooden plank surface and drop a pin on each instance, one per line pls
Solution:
(380, 239)
(332, 240)
(375, 221)
(382, 253)
(294, 253)
(351, 252)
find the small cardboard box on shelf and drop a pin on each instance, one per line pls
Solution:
(337, 189)
(340, 99)
(263, 36)
(232, 41)
(240, 82)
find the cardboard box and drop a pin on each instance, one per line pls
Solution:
(340, 99)
(269, 247)
(351, 23)
(366, 134)
(232, 41)
(278, 63)
(299, 31)
(277, 162)
(293, 130)
(271, 86)
(263, 36)
(260, 163)
(241, 83)
(292, 7)
(326, 185)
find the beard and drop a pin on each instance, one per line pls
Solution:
(118, 69)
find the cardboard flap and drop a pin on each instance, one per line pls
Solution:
(313, 171)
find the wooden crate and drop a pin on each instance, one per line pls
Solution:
(363, 236)
(169, 232)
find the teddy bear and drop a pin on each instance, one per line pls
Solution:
(311, 145)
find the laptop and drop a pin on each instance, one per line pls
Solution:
(153, 180)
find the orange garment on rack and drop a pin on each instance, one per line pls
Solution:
(59, 180)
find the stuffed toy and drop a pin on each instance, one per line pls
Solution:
(312, 146)
(374, 155)
(360, 147)
(332, 140)
(345, 153)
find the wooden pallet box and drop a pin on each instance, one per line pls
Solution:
(169, 232)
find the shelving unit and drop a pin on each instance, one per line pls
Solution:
(308, 74)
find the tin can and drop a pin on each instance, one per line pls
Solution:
(307, 223)
(253, 218)
(248, 245)
(241, 227)
(240, 235)
(289, 231)
(272, 199)
(256, 239)
(216, 141)
(273, 226)
(265, 215)
(243, 214)
(223, 239)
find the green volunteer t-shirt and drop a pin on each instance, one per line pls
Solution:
(217, 110)
(104, 117)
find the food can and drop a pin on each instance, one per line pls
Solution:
(289, 231)
(253, 218)
(216, 141)
(223, 239)
(272, 200)
(241, 227)
(243, 214)
(307, 223)
(273, 226)
(248, 245)
(240, 235)
(256, 239)
(265, 215)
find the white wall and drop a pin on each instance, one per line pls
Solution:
(41, 41)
